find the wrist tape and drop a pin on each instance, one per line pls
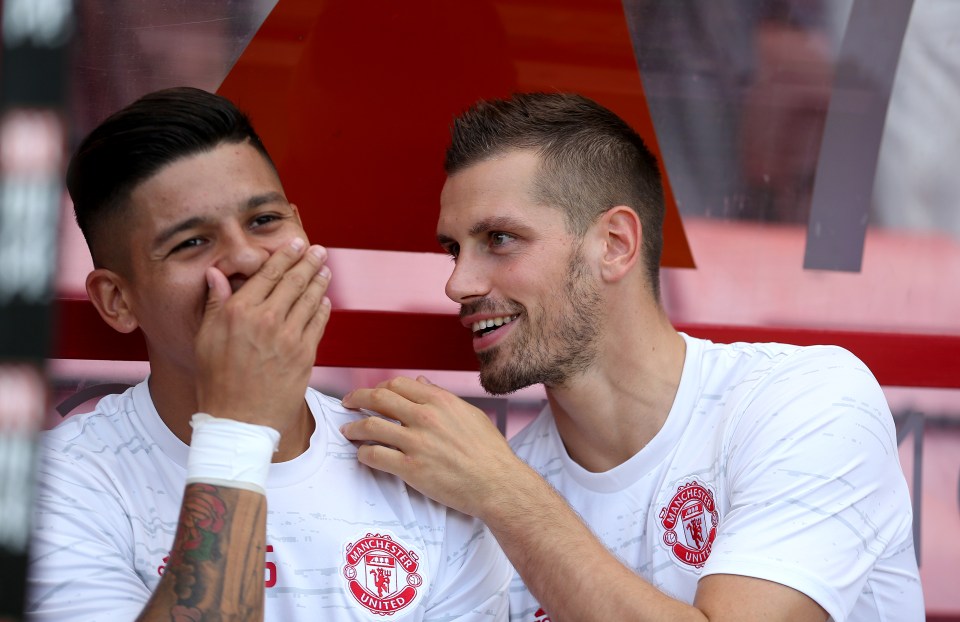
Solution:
(225, 452)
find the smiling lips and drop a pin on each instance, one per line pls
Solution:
(483, 327)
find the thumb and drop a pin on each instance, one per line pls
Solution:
(218, 289)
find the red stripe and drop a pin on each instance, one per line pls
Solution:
(399, 340)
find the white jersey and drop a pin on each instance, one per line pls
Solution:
(776, 462)
(344, 542)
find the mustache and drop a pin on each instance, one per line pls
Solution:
(489, 305)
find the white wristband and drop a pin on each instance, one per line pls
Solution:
(225, 452)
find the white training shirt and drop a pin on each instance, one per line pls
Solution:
(776, 462)
(344, 542)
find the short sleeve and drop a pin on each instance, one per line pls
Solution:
(818, 501)
(81, 557)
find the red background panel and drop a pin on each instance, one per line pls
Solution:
(354, 100)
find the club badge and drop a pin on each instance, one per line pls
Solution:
(382, 574)
(693, 513)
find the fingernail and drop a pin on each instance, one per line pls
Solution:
(318, 251)
(325, 272)
(326, 302)
(297, 244)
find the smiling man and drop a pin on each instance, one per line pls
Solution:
(697, 481)
(195, 243)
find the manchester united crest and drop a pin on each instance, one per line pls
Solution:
(690, 522)
(381, 574)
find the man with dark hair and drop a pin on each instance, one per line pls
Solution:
(696, 481)
(195, 244)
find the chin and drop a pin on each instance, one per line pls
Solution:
(504, 381)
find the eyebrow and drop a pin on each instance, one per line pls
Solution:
(494, 223)
(252, 203)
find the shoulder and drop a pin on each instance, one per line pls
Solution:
(824, 360)
(767, 374)
(109, 423)
(818, 410)
(817, 379)
(758, 360)
(788, 410)
(87, 468)
(115, 449)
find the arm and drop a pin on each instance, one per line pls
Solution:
(216, 565)
(451, 451)
(552, 549)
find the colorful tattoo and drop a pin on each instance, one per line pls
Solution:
(202, 520)
(216, 566)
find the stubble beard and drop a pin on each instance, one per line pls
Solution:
(553, 350)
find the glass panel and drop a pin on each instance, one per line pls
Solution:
(738, 91)
(741, 92)
(126, 48)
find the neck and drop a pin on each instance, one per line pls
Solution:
(175, 398)
(610, 412)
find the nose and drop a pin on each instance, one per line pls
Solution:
(468, 280)
(240, 257)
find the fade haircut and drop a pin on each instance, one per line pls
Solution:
(135, 143)
(590, 160)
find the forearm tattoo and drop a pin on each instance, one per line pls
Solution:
(216, 565)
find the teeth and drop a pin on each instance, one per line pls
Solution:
(494, 321)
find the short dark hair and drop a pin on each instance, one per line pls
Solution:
(590, 159)
(136, 142)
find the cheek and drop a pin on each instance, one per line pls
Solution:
(174, 290)
(183, 282)
(532, 278)
(294, 229)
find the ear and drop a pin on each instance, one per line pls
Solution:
(620, 234)
(107, 292)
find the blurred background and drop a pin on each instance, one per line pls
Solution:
(811, 147)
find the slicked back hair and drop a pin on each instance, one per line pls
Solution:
(590, 160)
(133, 144)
